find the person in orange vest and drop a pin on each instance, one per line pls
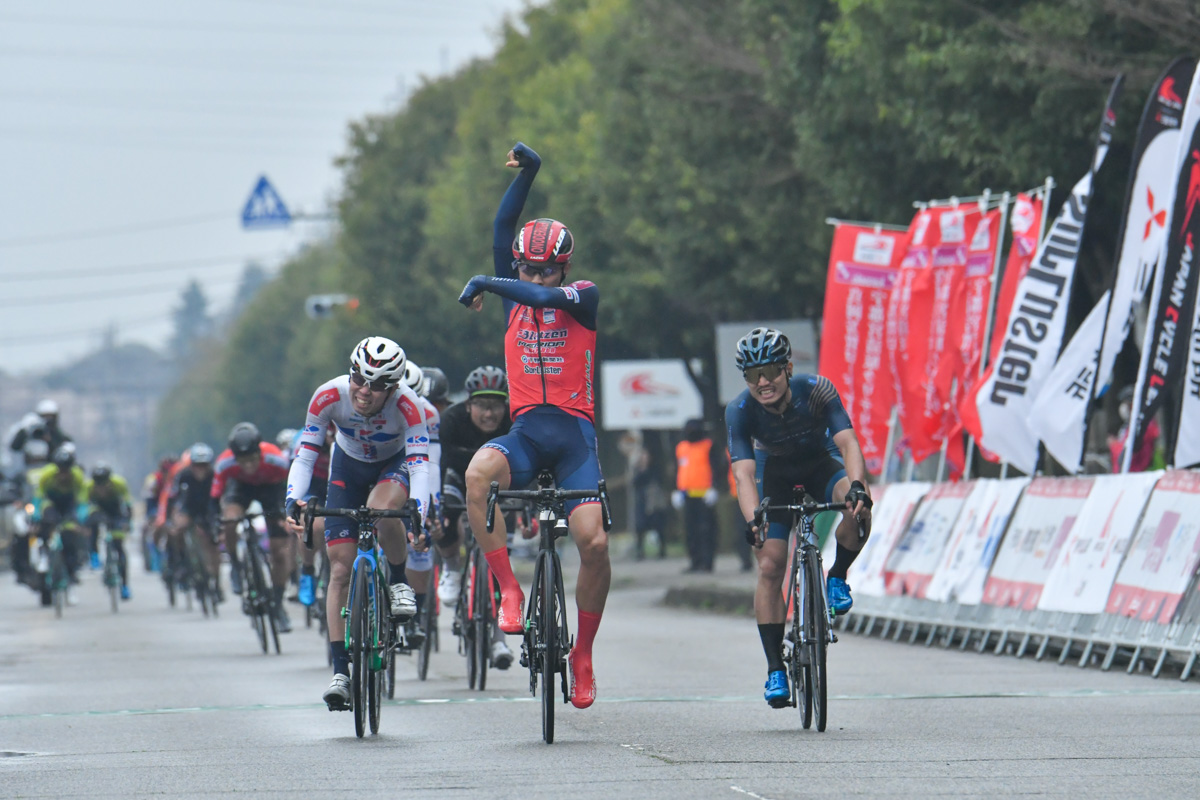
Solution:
(695, 496)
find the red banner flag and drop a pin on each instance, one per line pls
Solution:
(930, 281)
(1026, 220)
(862, 267)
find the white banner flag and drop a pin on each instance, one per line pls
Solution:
(1038, 319)
(1187, 443)
(1060, 408)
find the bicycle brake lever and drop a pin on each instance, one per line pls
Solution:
(309, 516)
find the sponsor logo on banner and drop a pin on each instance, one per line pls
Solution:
(874, 249)
(864, 276)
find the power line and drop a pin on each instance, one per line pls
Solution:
(124, 141)
(194, 26)
(75, 236)
(93, 330)
(33, 274)
(52, 300)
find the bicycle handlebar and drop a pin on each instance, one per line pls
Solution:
(547, 495)
(806, 508)
(361, 516)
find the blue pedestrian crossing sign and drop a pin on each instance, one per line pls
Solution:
(265, 208)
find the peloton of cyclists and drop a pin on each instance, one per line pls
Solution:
(800, 422)
(380, 458)
(550, 354)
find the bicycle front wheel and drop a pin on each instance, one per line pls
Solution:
(818, 637)
(484, 595)
(376, 670)
(548, 633)
(428, 623)
(112, 576)
(357, 633)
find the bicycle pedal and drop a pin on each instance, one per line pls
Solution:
(833, 638)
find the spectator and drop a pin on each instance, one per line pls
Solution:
(1144, 448)
(695, 495)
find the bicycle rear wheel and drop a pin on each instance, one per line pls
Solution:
(358, 632)
(548, 633)
(428, 623)
(818, 637)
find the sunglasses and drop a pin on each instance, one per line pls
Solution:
(534, 270)
(489, 406)
(768, 371)
(376, 386)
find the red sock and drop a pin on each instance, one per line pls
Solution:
(502, 570)
(588, 624)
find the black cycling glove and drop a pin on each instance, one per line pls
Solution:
(857, 494)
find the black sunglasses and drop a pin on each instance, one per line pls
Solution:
(770, 371)
(376, 386)
(533, 270)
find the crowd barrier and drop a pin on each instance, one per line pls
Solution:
(1097, 570)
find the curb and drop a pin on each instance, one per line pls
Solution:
(714, 599)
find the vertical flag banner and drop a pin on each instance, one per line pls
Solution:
(1039, 317)
(930, 281)
(1147, 205)
(1025, 222)
(1061, 406)
(1187, 441)
(1060, 411)
(862, 269)
(1173, 306)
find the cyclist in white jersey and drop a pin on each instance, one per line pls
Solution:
(379, 459)
(420, 565)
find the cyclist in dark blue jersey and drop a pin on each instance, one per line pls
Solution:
(800, 423)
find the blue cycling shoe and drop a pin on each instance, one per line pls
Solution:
(838, 592)
(126, 593)
(307, 594)
(777, 694)
(95, 561)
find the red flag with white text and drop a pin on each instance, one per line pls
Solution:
(862, 267)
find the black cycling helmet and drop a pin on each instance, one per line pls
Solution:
(101, 473)
(436, 386)
(64, 456)
(487, 380)
(244, 439)
(763, 346)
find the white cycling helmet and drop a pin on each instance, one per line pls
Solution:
(379, 359)
(285, 437)
(47, 407)
(414, 376)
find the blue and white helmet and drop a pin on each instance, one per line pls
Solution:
(763, 346)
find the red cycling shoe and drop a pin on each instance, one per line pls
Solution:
(509, 614)
(583, 681)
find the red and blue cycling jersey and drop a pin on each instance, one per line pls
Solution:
(550, 332)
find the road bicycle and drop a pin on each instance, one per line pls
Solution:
(113, 556)
(547, 637)
(478, 596)
(807, 643)
(371, 638)
(256, 584)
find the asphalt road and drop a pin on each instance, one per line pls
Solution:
(156, 702)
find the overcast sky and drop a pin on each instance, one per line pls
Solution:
(133, 132)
